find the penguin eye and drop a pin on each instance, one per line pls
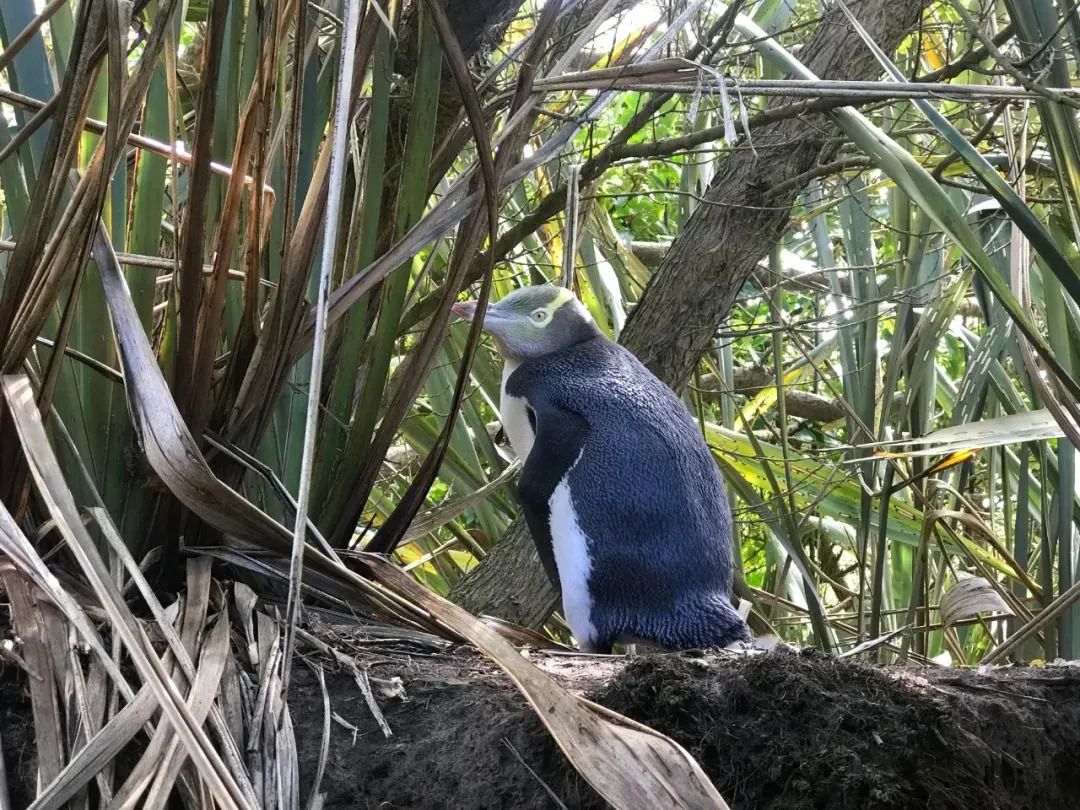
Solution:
(539, 315)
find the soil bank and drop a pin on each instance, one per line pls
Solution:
(776, 730)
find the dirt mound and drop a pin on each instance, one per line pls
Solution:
(453, 746)
(781, 730)
(808, 731)
(16, 725)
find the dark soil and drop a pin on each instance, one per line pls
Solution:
(16, 725)
(794, 731)
(776, 730)
(779, 730)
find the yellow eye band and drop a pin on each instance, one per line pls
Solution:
(563, 296)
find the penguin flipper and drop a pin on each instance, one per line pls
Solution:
(560, 438)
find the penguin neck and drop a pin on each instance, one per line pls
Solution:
(510, 365)
(514, 414)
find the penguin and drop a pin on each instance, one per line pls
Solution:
(619, 489)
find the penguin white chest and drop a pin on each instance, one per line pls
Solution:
(572, 558)
(513, 411)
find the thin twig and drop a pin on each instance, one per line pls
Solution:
(178, 153)
(314, 799)
(363, 682)
(1037, 90)
(699, 79)
(551, 793)
(338, 162)
(1052, 611)
(570, 232)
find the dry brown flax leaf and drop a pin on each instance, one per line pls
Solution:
(970, 597)
(286, 775)
(315, 799)
(212, 662)
(99, 751)
(60, 503)
(100, 705)
(198, 587)
(48, 723)
(161, 752)
(24, 556)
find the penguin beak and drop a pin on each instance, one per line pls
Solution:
(493, 319)
(464, 309)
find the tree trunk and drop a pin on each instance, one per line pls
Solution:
(742, 216)
(513, 586)
(740, 219)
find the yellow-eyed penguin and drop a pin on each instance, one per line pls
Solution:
(619, 489)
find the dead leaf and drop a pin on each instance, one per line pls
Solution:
(970, 597)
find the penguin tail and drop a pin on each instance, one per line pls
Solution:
(723, 625)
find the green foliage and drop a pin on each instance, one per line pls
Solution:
(892, 304)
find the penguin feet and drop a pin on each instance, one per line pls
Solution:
(757, 645)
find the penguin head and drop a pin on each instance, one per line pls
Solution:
(534, 321)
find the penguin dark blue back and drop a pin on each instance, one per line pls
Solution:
(620, 491)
